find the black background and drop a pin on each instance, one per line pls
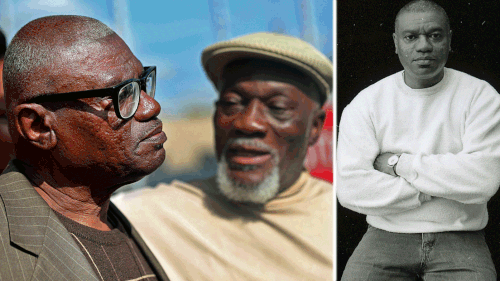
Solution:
(365, 54)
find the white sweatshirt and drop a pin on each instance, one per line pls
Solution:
(449, 139)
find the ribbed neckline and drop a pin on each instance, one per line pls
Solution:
(112, 237)
(425, 91)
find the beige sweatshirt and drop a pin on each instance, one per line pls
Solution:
(197, 235)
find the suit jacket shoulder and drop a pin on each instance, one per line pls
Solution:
(35, 245)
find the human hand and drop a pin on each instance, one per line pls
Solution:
(381, 165)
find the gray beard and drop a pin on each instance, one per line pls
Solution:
(258, 193)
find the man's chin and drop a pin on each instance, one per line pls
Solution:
(248, 177)
(155, 162)
(247, 185)
(426, 71)
(144, 165)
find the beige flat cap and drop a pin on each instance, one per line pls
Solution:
(276, 47)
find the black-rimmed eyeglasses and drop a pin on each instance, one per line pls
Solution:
(126, 95)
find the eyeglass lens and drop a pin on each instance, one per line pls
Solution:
(128, 99)
(151, 84)
(129, 95)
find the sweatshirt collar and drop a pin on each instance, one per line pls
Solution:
(425, 91)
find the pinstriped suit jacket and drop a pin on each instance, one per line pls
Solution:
(34, 245)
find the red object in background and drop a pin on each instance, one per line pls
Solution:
(319, 158)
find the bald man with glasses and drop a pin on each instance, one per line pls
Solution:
(83, 119)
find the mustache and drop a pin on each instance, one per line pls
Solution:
(250, 143)
(425, 58)
(149, 129)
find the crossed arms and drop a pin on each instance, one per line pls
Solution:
(468, 173)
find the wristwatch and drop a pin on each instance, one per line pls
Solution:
(393, 161)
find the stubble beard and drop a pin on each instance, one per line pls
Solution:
(258, 193)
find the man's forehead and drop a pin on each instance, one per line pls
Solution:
(86, 66)
(89, 51)
(417, 20)
(106, 59)
(278, 76)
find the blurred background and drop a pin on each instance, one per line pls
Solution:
(171, 35)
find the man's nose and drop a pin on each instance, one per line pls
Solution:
(250, 121)
(423, 44)
(148, 108)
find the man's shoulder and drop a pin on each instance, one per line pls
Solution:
(18, 190)
(207, 186)
(388, 81)
(34, 232)
(466, 85)
(460, 77)
(320, 188)
(175, 190)
(197, 188)
(378, 90)
(460, 74)
(321, 184)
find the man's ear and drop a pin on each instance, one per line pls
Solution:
(317, 126)
(33, 122)
(395, 39)
(449, 44)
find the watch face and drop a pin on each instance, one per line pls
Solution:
(393, 160)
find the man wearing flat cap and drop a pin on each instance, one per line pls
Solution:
(262, 217)
(83, 119)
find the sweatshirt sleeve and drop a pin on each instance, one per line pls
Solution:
(360, 187)
(471, 176)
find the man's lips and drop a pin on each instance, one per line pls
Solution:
(243, 155)
(156, 135)
(424, 60)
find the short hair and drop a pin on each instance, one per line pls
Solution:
(3, 44)
(420, 6)
(28, 52)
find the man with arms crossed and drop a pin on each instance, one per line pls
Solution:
(83, 119)
(263, 217)
(419, 154)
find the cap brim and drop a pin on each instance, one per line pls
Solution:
(215, 60)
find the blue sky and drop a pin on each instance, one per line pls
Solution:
(172, 34)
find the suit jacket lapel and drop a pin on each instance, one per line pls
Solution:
(61, 258)
(27, 213)
(34, 227)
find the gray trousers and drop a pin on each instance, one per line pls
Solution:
(457, 255)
